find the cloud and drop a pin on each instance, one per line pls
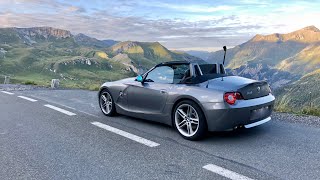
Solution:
(203, 27)
(193, 8)
(174, 34)
(75, 9)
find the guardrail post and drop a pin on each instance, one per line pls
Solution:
(55, 83)
(6, 80)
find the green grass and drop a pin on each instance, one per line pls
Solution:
(299, 95)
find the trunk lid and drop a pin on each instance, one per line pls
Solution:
(248, 88)
(255, 90)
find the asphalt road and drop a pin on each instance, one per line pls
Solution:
(38, 142)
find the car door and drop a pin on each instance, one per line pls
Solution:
(150, 97)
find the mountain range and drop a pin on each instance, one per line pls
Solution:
(39, 54)
(287, 61)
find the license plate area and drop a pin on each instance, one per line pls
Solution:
(260, 113)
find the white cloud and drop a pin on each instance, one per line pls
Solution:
(197, 8)
(201, 28)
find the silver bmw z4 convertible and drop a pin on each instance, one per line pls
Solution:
(193, 98)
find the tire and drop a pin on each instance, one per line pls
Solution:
(106, 103)
(187, 114)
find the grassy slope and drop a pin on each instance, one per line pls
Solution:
(33, 63)
(67, 60)
(305, 61)
(298, 96)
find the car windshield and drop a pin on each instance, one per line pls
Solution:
(169, 73)
(181, 74)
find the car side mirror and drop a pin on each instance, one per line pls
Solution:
(139, 79)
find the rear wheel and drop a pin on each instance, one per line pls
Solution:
(189, 120)
(107, 103)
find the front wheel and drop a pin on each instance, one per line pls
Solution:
(107, 103)
(189, 120)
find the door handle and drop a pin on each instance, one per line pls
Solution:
(162, 91)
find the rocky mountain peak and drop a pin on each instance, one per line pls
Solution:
(309, 34)
(311, 28)
(45, 32)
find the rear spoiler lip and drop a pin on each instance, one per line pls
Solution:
(258, 83)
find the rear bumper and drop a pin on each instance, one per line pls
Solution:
(258, 123)
(247, 113)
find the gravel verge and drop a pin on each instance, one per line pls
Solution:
(297, 118)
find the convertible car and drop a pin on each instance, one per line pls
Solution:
(193, 98)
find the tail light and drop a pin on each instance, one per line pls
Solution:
(232, 97)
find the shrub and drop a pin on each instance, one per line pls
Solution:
(311, 111)
(30, 83)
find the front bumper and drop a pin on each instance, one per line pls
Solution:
(253, 112)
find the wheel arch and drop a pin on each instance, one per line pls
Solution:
(102, 88)
(190, 98)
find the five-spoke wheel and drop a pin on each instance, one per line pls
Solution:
(189, 120)
(106, 103)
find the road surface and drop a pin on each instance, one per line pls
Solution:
(61, 134)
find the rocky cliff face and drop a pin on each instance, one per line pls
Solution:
(45, 32)
(34, 35)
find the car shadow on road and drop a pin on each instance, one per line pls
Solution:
(234, 135)
(240, 134)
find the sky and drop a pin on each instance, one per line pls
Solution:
(177, 24)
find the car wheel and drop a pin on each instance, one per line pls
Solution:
(189, 120)
(107, 103)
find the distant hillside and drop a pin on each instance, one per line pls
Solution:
(85, 40)
(39, 54)
(270, 49)
(295, 53)
(307, 60)
(200, 54)
(144, 55)
(303, 93)
(289, 62)
(259, 71)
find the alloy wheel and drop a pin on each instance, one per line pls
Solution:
(187, 120)
(106, 102)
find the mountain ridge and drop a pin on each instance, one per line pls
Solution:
(309, 34)
(270, 49)
(289, 62)
(40, 54)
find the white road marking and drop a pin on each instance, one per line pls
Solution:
(60, 110)
(126, 134)
(225, 172)
(87, 113)
(6, 92)
(54, 102)
(26, 98)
